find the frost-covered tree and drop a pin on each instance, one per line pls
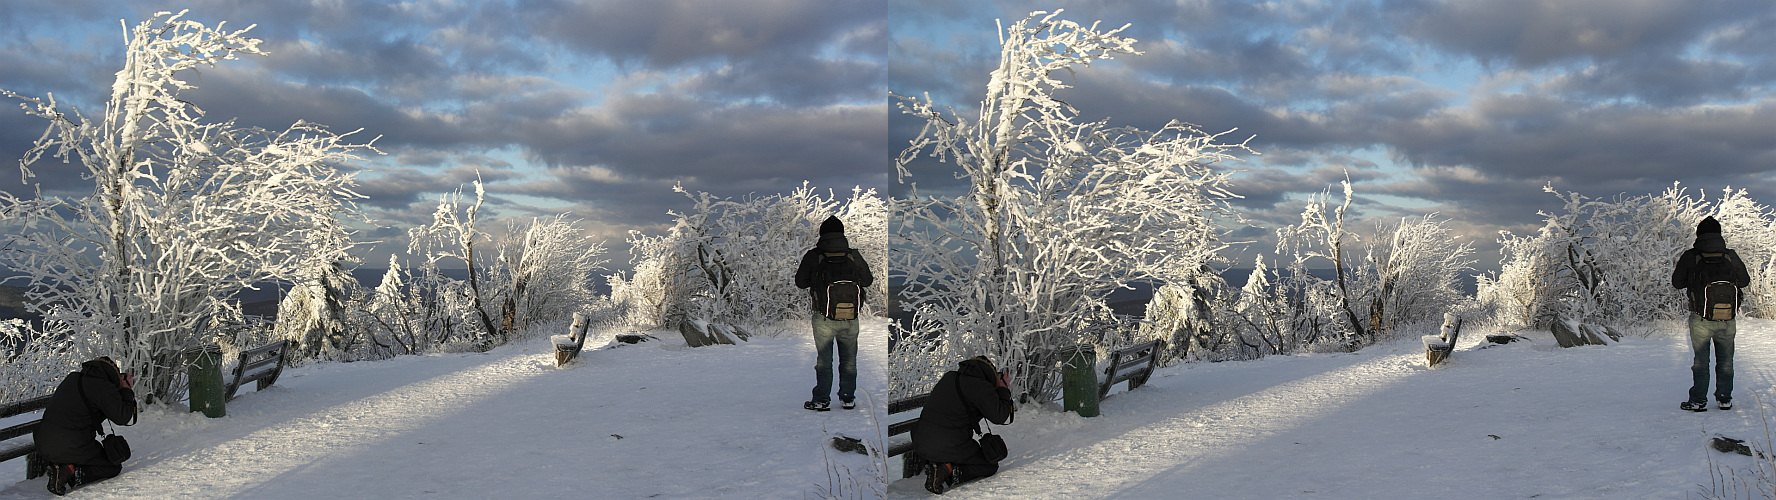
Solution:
(313, 315)
(1322, 234)
(183, 214)
(540, 270)
(1409, 273)
(1059, 210)
(544, 271)
(462, 307)
(392, 316)
(1262, 318)
(1415, 267)
(655, 290)
(1523, 292)
(1188, 316)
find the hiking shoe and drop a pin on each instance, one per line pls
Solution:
(817, 405)
(1693, 406)
(937, 477)
(852, 405)
(59, 477)
(1726, 404)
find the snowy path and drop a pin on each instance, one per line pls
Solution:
(1590, 422)
(723, 421)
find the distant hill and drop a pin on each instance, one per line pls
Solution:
(260, 302)
(12, 304)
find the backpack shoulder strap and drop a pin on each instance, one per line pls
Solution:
(958, 383)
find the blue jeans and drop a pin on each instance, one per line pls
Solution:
(1719, 335)
(826, 331)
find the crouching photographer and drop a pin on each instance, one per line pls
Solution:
(67, 437)
(944, 436)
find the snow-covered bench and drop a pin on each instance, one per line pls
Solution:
(1439, 347)
(1134, 364)
(11, 448)
(567, 347)
(260, 364)
(910, 463)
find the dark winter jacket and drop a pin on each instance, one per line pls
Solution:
(807, 273)
(1684, 275)
(71, 423)
(945, 432)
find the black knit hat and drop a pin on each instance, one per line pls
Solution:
(832, 225)
(1708, 226)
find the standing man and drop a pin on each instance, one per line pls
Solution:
(1712, 274)
(836, 276)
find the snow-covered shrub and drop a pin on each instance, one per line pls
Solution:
(733, 261)
(1261, 318)
(1185, 315)
(1609, 262)
(1058, 213)
(866, 226)
(1618, 255)
(31, 362)
(1750, 230)
(544, 272)
(313, 315)
(654, 288)
(1409, 273)
(1522, 294)
(183, 213)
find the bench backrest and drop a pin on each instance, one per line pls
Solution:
(17, 408)
(26, 448)
(910, 462)
(261, 364)
(1134, 364)
(578, 331)
(897, 427)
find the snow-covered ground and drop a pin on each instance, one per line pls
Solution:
(1512, 421)
(653, 420)
(1524, 420)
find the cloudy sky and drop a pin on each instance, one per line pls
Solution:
(1461, 107)
(591, 107)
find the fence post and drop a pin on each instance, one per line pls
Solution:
(1079, 381)
(203, 379)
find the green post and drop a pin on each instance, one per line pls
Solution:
(1079, 382)
(204, 380)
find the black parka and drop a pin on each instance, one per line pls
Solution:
(945, 432)
(71, 423)
(831, 242)
(1686, 265)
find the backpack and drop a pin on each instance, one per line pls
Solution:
(839, 273)
(1720, 297)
